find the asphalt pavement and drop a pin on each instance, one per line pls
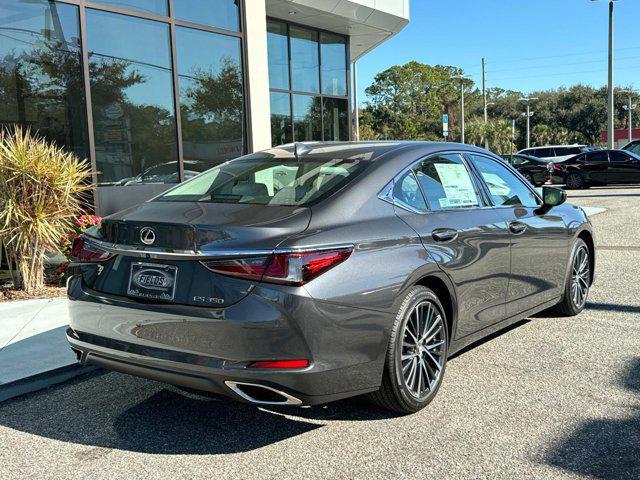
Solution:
(547, 398)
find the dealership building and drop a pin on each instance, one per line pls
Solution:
(154, 91)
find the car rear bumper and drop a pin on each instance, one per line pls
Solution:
(211, 349)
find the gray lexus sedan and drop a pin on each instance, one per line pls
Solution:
(313, 272)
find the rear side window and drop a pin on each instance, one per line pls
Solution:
(269, 181)
(407, 191)
(504, 187)
(596, 157)
(446, 183)
(543, 152)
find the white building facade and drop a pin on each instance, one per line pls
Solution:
(152, 92)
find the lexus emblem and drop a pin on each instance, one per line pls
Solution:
(147, 236)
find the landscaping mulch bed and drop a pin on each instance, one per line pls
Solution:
(54, 287)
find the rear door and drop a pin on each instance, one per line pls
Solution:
(440, 200)
(623, 168)
(596, 165)
(539, 241)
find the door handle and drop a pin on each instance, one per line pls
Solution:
(517, 227)
(444, 234)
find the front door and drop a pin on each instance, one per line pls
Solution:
(539, 241)
(623, 168)
(596, 164)
(467, 239)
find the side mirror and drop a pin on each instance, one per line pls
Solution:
(552, 197)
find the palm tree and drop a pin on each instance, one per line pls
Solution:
(541, 134)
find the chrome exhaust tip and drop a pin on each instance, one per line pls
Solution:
(261, 394)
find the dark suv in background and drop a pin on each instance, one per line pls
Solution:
(599, 167)
(536, 170)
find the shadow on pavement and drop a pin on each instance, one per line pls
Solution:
(613, 307)
(604, 448)
(118, 411)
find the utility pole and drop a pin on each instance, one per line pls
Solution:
(610, 104)
(356, 115)
(630, 107)
(610, 99)
(528, 114)
(484, 100)
(462, 76)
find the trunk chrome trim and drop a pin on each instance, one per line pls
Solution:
(204, 254)
(236, 387)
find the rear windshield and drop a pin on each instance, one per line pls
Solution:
(269, 181)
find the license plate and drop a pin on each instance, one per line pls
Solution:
(152, 281)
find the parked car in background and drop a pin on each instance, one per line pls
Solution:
(536, 170)
(555, 153)
(633, 147)
(357, 271)
(599, 167)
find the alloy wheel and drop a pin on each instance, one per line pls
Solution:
(574, 181)
(423, 349)
(580, 277)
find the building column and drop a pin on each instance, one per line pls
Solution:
(257, 75)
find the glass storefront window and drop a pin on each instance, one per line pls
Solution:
(41, 83)
(305, 67)
(278, 47)
(309, 65)
(157, 7)
(333, 52)
(222, 14)
(132, 93)
(307, 122)
(336, 119)
(280, 118)
(211, 98)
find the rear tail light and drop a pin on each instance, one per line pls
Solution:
(83, 251)
(295, 268)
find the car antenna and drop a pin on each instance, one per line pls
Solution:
(300, 149)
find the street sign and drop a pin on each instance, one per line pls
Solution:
(445, 125)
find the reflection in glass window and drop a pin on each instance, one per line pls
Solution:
(333, 52)
(158, 7)
(132, 94)
(307, 123)
(278, 49)
(211, 97)
(41, 71)
(336, 119)
(280, 118)
(305, 72)
(406, 191)
(215, 13)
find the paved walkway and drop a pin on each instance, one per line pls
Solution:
(32, 339)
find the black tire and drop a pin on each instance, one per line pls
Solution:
(394, 394)
(568, 307)
(574, 181)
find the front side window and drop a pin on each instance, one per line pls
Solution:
(618, 157)
(447, 183)
(269, 181)
(505, 189)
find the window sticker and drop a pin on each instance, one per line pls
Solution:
(457, 186)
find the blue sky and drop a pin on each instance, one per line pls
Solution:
(529, 44)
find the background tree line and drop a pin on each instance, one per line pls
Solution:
(407, 102)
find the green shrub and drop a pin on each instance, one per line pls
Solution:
(42, 190)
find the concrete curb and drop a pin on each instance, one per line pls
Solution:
(43, 380)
